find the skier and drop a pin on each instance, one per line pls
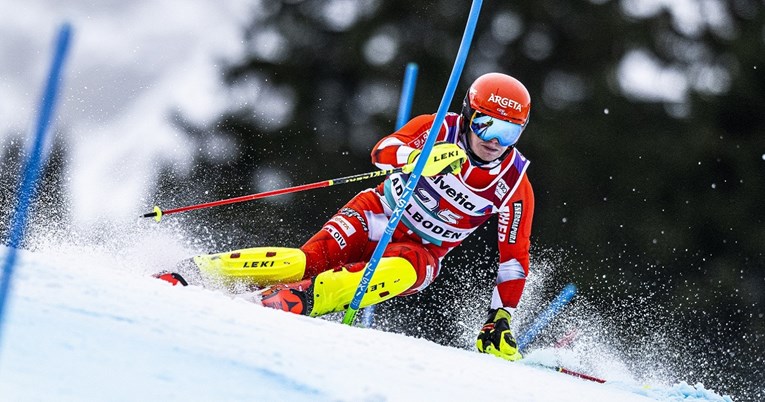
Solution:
(473, 172)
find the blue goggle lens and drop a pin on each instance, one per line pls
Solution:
(488, 128)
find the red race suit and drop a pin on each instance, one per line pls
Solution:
(441, 213)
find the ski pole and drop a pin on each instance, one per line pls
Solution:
(158, 213)
(578, 374)
(572, 373)
(563, 298)
(567, 339)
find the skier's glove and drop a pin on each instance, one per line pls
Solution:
(496, 338)
(444, 158)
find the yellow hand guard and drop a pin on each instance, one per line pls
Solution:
(496, 338)
(444, 158)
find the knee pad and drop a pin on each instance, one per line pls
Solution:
(334, 290)
(258, 266)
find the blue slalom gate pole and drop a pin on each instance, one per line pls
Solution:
(414, 177)
(404, 110)
(563, 298)
(407, 95)
(33, 167)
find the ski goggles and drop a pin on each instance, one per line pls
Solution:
(488, 128)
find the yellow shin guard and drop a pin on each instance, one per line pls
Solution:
(333, 290)
(259, 266)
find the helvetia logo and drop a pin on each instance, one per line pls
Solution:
(505, 102)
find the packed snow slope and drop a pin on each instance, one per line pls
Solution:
(82, 327)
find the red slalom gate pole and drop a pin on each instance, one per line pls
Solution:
(158, 213)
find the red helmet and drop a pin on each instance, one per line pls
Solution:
(501, 97)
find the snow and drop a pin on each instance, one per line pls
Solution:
(130, 66)
(86, 325)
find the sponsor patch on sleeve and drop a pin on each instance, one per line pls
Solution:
(343, 223)
(336, 235)
(511, 235)
(517, 212)
(351, 213)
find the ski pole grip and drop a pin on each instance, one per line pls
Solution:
(157, 214)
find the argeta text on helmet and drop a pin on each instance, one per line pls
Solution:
(505, 102)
